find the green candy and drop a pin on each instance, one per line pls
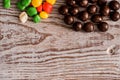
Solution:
(21, 7)
(25, 3)
(6, 4)
(31, 11)
(36, 18)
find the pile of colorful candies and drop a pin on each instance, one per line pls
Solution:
(88, 14)
(33, 8)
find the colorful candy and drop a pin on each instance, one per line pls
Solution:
(36, 3)
(33, 8)
(31, 11)
(36, 18)
(20, 7)
(23, 17)
(44, 15)
(25, 3)
(51, 1)
(6, 4)
(47, 7)
(39, 9)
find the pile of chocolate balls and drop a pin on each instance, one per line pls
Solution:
(88, 14)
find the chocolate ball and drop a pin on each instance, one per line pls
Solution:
(105, 10)
(92, 9)
(93, 1)
(114, 5)
(70, 2)
(74, 10)
(77, 26)
(103, 26)
(89, 27)
(102, 2)
(63, 10)
(68, 19)
(83, 16)
(96, 18)
(83, 3)
(115, 16)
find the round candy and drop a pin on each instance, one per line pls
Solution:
(36, 18)
(6, 4)
(25, 2)
(36, 3)
(77, 26)
(51, 1)
(103, 26)
(96, 18)
(83, 16)
(74, 10)
(47, 7)
(39, 9)
(114, 5)
(69, 19)
(102, 2)
(93, 1)
(83, 3)
(31, 11)
(43, 15)
(92, 9)
(105, 10)
(70, 2)
(63, 10)
(89, 27)
(19, 6)
(115, 16)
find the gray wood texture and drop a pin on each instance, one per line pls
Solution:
(51, 51)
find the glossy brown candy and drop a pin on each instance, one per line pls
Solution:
(105, 10)
(92, 9)
(91, 13)
(74, 10)
(89, 27)
(68, 19)
(103, 26)
(77, 26)
(83, 3)
(102, 2)
(83, 16)
(70, 2)
(96, 18)
(115, 16)
(114, 5)
(93, 1)
(63, 10)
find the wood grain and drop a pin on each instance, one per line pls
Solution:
(51, 50)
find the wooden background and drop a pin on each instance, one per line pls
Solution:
(51, 51)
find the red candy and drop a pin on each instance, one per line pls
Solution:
(47, 7)
(39, 9)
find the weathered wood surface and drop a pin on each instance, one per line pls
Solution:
(50, 51)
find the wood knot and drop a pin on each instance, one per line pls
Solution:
(112, 49)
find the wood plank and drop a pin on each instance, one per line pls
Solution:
(50, 50)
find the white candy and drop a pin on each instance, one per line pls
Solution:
(23, 17)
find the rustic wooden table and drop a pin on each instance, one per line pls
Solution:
(51, 51)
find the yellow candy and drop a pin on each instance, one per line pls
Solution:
(43, 15)
(36, 3)
(51, 1)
